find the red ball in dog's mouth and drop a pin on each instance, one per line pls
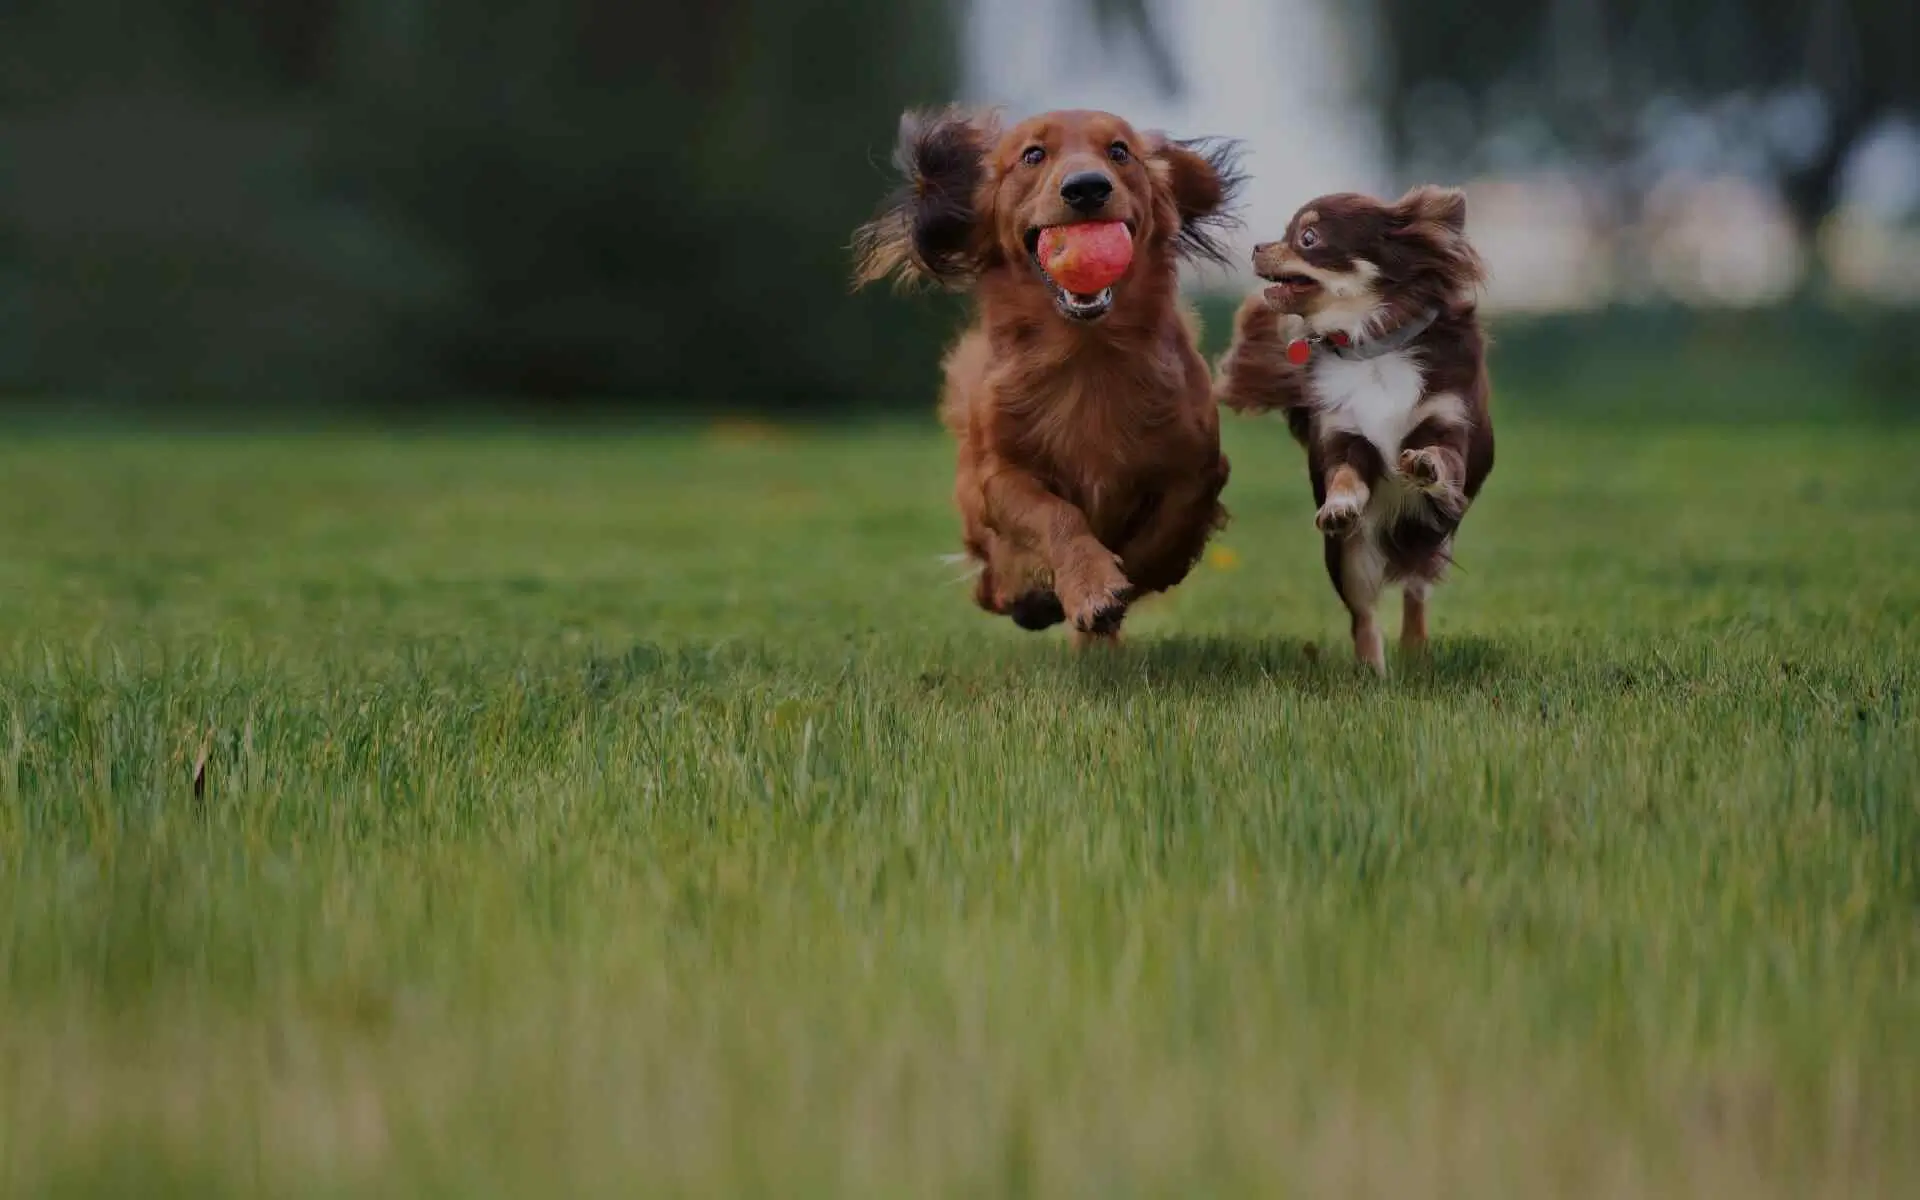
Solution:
(1086, 258)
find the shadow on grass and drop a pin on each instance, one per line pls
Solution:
(1216, 664)
(1456, 664)
(1186, 664)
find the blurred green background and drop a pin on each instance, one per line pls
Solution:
(290, 206)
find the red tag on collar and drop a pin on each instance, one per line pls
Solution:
(1339, 338)
(1299, 351)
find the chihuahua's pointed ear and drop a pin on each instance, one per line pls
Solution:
(1429, 227)
(930, 229)
(1437, 213)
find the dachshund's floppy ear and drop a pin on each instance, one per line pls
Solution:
(1202, 177)
(929, 229)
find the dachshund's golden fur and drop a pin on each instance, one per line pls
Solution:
(1090, 469)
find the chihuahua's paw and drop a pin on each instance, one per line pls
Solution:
(1423, 466)
(1339, 517)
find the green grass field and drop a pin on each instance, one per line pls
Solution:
(653, 814)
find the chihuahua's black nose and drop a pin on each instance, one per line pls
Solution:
(1087, 191)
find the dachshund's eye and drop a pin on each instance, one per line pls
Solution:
(1119, 153)
(1034, 155)
(1309, 238)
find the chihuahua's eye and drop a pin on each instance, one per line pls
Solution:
(1119, 153)
(1309, 238)
(1034, 155)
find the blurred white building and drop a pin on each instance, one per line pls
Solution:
(1287, 78)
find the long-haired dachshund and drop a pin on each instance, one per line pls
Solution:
(1089, 445)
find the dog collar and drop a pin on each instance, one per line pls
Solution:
(1340, 345)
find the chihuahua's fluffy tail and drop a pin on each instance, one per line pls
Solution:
(1255, 375)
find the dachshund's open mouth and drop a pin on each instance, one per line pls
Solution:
(1074, 306)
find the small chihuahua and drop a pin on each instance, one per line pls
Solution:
(1370, 343)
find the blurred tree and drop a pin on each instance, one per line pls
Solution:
(641, 199)
(1787, 88)
(577, 198)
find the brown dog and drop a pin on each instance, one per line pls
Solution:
(1370, 342)
(1089, 469)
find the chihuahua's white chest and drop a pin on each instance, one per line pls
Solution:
(1375, 398)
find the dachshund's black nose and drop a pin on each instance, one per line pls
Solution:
(1087, 191)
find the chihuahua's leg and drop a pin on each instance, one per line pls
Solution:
(1413, 617)
(1350, 468)
(1358, 570)
(1434, 455)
